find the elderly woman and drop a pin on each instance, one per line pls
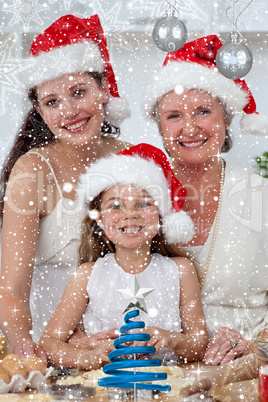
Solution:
(193, 105)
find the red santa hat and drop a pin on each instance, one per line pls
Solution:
(74, 45)
(148, 168)
(194, 66)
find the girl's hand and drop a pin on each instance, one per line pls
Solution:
(80, 340)
(159, 338)
(97, 357)
(29, 348)
(226, 345)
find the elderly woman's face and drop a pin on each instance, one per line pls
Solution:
(192, 124)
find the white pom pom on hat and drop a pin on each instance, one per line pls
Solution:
(194, 67)
(178, 222)
(255, 123)
(147, 167)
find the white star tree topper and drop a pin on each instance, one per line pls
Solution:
(135, 295)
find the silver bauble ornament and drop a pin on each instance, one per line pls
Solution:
(234, 60)
(169, 33)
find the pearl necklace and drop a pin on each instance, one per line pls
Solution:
(215, 231)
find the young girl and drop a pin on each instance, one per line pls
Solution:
(131, 198)
(75, 115)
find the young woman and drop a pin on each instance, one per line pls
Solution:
(128, 230)
(76, 111)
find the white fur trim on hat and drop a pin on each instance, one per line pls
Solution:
(125, 169)
(71, 59)
(182, 76)
(74, 58)
(144, 173)
(255, 123)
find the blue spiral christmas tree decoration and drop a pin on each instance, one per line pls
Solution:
(128, 378)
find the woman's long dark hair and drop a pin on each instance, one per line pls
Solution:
(35, 133)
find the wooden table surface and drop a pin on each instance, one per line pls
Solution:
(241, 391)
(236, 392)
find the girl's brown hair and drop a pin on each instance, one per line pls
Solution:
(95, 244)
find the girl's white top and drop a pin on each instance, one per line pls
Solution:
(106, 306)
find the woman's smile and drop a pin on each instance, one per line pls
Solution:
(77, 125)
(193, 144)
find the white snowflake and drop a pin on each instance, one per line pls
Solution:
(24, 11)
(251, 12)
(233, 59)
(9, 70)
(60, 62)
(67, 3)
(111, 23)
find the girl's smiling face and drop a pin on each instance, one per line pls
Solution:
(193, 126)
(72, 106)
(129, 217)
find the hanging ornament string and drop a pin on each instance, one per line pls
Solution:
(235, 20)
(173, 5)
(170, 33)
(234, 59)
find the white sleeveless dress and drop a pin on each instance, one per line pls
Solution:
(106, 306)
(56, 257)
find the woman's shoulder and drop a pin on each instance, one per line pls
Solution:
(32, 161)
